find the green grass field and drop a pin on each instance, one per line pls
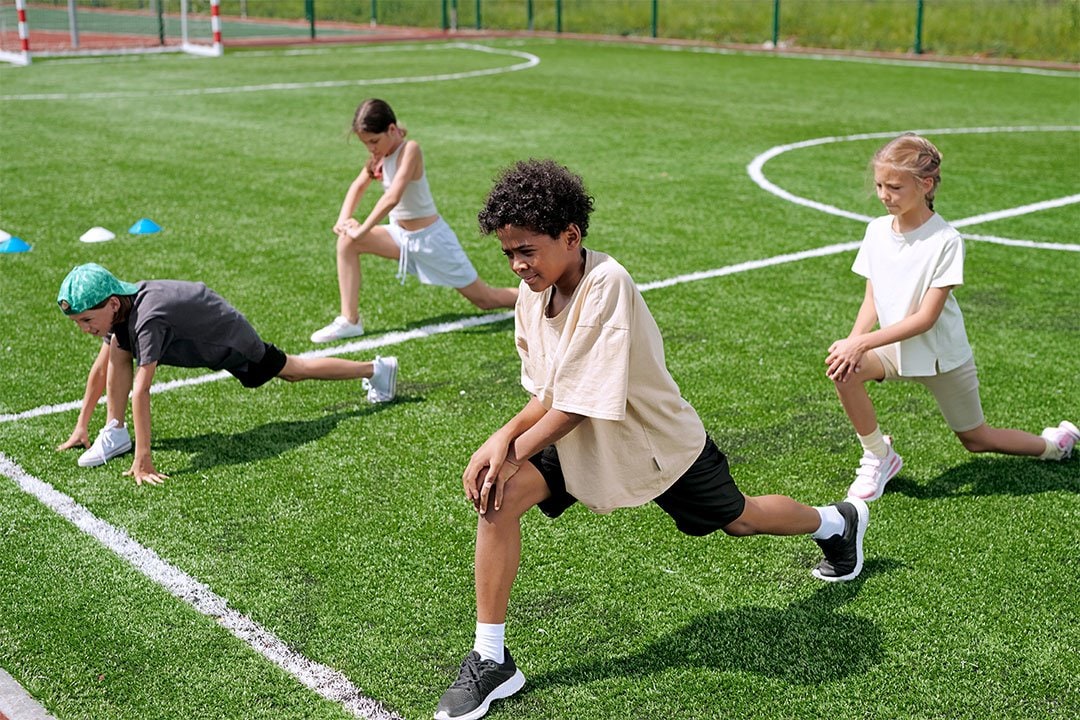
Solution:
(341, 528)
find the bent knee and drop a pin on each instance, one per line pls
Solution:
(740, 527)
(975, 444)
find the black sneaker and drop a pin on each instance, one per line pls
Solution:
(843, 552)
(478, 683)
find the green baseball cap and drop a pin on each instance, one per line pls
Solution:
(89, 285)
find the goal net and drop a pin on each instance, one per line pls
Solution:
(105, 27)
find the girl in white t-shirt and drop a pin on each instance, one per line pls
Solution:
(421, 241)
(912, 259)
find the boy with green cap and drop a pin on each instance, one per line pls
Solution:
(186, 324)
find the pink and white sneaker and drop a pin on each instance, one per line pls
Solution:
(874, 473)
(1065, 436)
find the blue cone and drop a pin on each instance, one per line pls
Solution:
(144, 227)
(13, 245)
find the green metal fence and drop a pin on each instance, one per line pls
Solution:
(1029, 29)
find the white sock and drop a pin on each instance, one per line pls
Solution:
(489, 641)
(1052, 451)
(874, 442)
(832, 523)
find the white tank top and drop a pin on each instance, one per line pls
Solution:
(416, 201)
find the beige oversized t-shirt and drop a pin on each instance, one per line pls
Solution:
(603, 357)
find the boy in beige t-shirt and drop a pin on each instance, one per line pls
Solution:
(606, 424)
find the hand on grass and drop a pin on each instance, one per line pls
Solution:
(79, 437)
(142, 469)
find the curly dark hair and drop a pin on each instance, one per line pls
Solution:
(539, 195)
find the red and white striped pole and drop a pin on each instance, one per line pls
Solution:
(24, 32)
(215, 24)
(22, 55)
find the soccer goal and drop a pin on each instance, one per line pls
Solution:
(108, 27)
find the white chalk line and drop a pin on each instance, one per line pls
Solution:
(325, 681)
(529, 59)
(755, 170)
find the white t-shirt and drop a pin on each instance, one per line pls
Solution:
(603, 357)
(416, 201)
(902, 267)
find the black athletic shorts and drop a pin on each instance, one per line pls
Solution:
(703, 500)
(255, 374)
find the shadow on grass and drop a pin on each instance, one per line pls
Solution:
(994, 476)
(809, 642)
(212, 450)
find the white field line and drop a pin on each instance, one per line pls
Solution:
(756, 172)
(529, 59)
(16, 703)
(325, 681)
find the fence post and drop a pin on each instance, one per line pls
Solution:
(776, 24)
(918, 28)
(558, 16)
(655, 13)
(374, 13)
(445, 16)
(478, 24)
(160, 21)
(309, 15)
(73, 24)
(529, 15)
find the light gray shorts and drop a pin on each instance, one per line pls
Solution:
(433, 255)
(956, 391)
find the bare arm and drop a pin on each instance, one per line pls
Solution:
(142, 467)
(867, 317)
(352, 199)
(410, 167)
(95, 386)
(844, 355)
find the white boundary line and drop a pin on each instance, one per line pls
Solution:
(757, 174)
(16, 703)
(325, 681)
(529, 59)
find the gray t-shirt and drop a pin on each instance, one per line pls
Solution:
(173, 322)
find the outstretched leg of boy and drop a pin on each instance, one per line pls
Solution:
(380, 375)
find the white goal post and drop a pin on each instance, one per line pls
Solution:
(108, 28)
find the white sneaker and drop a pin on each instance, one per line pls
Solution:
(383, 383)
(338, 330)
(1065, 436)
(873, 474)
(113, 440)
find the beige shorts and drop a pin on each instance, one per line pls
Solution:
(956, 391)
